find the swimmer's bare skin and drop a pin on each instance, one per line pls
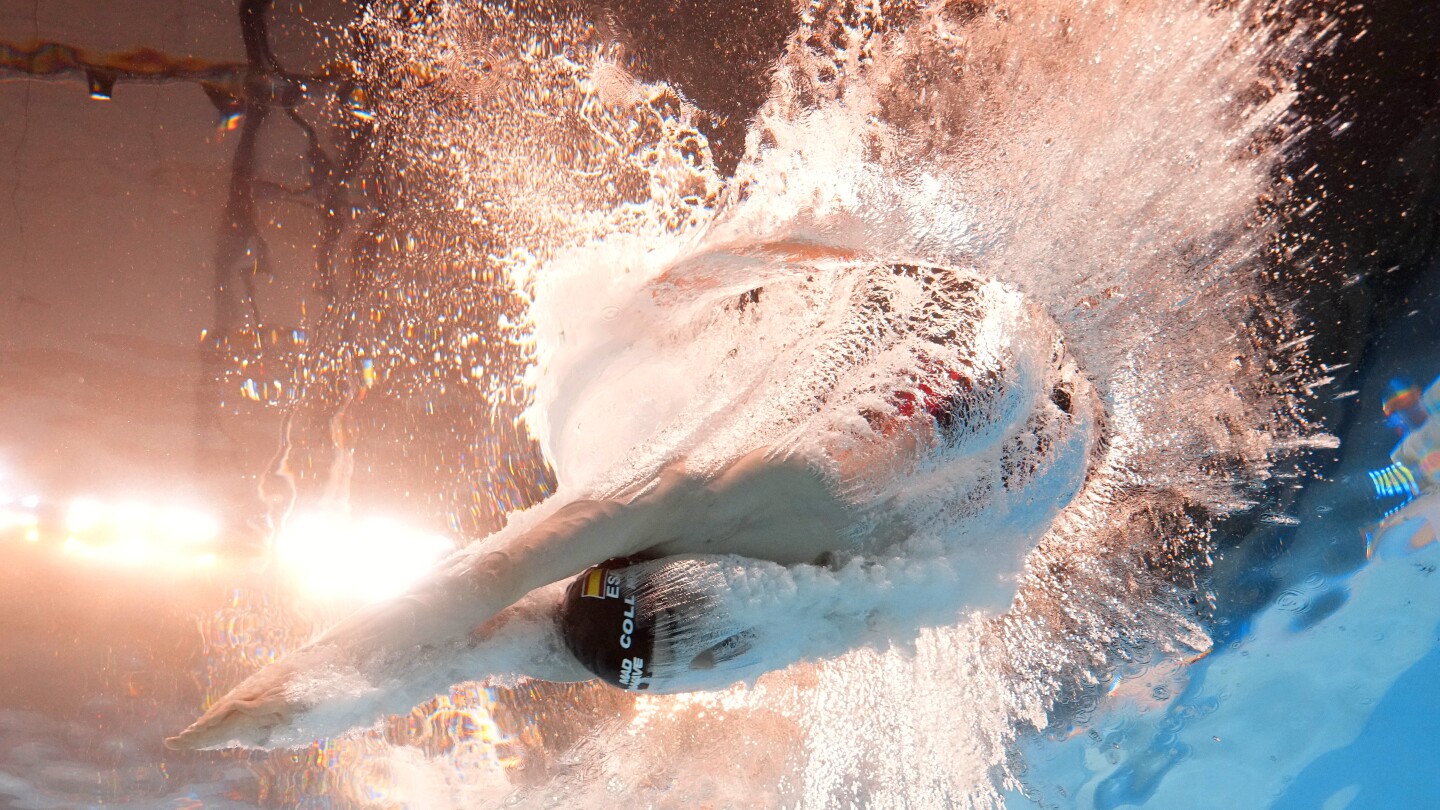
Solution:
(741, 510)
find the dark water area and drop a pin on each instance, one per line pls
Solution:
(1374, 252)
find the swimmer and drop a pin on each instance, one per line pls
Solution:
(1414, 416)
(628, 583)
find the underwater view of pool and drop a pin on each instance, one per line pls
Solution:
(999, 405)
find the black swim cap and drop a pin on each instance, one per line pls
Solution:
(653, 625)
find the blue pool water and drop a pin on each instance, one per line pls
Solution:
(1392, 762)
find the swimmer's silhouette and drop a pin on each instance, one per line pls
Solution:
(924, 368)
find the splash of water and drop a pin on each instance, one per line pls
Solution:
(1111, 165)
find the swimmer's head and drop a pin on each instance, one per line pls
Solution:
(658, 626)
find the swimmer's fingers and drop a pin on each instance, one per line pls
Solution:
(248, 714)
(438, 615)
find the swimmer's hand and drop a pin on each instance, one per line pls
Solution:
(432, 622)
(250, 713)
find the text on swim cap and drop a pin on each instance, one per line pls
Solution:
(632, 670)
(627, 627)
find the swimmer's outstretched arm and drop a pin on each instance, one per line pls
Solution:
(760, 505)
(443, 614)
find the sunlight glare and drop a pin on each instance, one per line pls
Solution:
(135, 534)
(360, 559)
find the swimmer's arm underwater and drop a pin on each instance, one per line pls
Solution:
(444, 612)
